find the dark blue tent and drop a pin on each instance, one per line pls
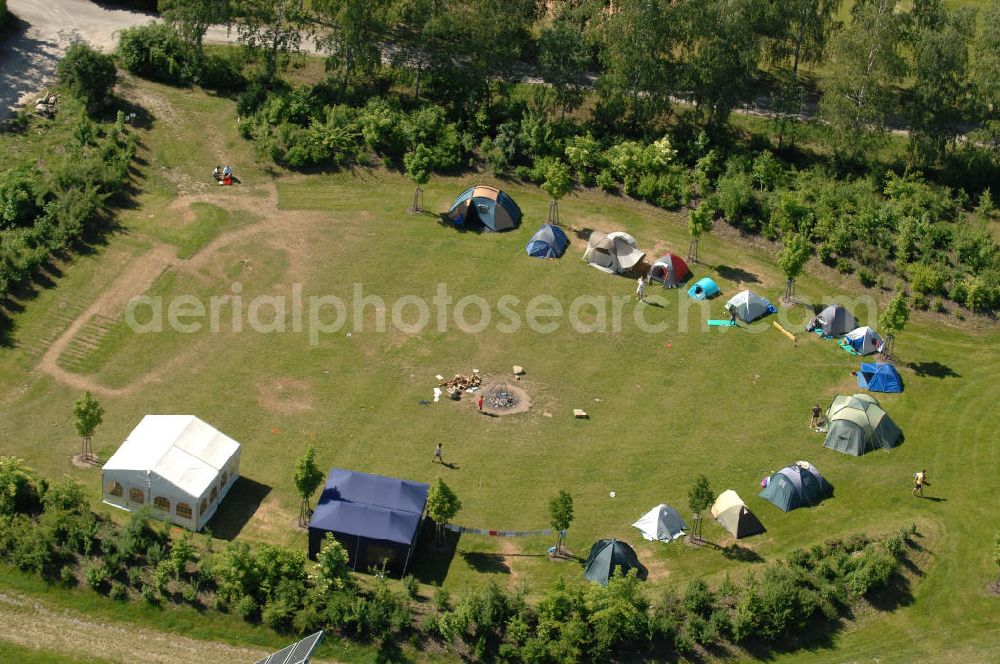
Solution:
(548, 242)
(375, 518)
(493, 208)
(879, 377)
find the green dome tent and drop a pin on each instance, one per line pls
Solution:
(859, 424)
(605, 556)
(797, 485)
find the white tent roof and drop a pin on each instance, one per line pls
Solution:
(181, 449)
(661, 523)
(726, 499)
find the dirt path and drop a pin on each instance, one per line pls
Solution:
(27, 622)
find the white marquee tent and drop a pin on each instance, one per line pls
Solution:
(178, 465)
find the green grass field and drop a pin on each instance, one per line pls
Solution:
(664, 407)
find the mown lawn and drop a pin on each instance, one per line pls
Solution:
(664, 407)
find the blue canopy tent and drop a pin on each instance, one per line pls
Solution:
(879, 377)
(375, 518)
(548, 242)
(493, 208)
(703, 289)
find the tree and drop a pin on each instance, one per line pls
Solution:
(87, 74)
(893, 319)
(938, 42)
(700, 496)
(557, 184)
(307, 479)
(442, 506)
(355, 30)
(794, 255)
(89, 414)
(271, 29)
(699, 223)
(720, 53)
(560, 515)
(192, 18)
(333, 570)
(419, 162)
(985, 74)
(798, 32)
(863, 64)
(563, 57)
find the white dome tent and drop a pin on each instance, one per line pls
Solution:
(177, 464)
(662, 523)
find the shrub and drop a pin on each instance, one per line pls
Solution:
(845, 266)
(118, 591)
(867, 277)
(87, 74)
(606, 181)
(155, 51)
(926, 279)
(411, 586)
(96, 576)
(735, 198)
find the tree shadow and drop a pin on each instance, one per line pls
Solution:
(238, 507)
(737, 274)
(933, 369)
(432, 560)
(741, 554)
(486, 563)
(583, 233)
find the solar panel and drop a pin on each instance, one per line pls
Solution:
(297, 653)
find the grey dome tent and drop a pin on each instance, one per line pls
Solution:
(493, 208)
(749, 306)
(548, 242)
(613, 253)
(858, 424)
(662, 524)
(605, 556)
(834, 321)
(797, 485)
(733, 515)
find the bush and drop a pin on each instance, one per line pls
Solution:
(866, 277)
(87, 74)
(155, 51)
(411, 586)
(736, 200)
(118, 591)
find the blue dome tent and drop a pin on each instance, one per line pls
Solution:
(879, 377)
(703, 289)
(548, 242)
(493, 208)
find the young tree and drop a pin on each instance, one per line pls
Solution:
(699, 223)
(307, 479)
(355, 30)
(557, 184)
(863, 65)
(89, 75)
(333, 571)
(794, 255)
(442, 506)
(893, 319)
(560, 515)
(419, 162)
(89, 414)
(700, 496)
(192, 18)
(271, 29)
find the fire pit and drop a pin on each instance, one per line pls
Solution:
(505, 399)
(500, 397)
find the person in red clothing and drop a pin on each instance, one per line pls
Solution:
(479, 403)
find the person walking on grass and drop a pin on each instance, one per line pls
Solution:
(919, 480)
(732, 316)
(640, 290)
(437, 455)
(816, 416)
(479, 403)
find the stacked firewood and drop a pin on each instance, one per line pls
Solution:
(462, 382)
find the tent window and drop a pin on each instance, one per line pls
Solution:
(115, 489)
(204, 505)
(136, 496)
(225, 478)
(184, 510)
(161, 503)
(215, 494)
